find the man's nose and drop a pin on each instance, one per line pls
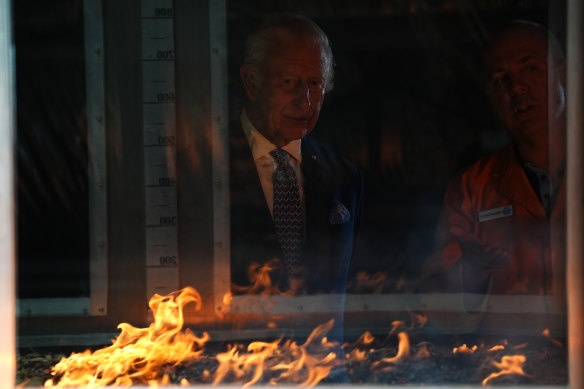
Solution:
(302, 98)
(517, 86)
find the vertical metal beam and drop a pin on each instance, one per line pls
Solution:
(194, 161)
(220, 152)
(95, 106)
(575, 193)
(7, 249)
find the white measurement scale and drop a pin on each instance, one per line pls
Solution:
(159, 126)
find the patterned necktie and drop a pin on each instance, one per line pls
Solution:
(287, 211)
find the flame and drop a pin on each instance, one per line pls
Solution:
(261, 282)
(306, 364)
(423, 350)
(546, 333)
(227, 299)
(510, 364)
(141, 356)
(402, 351)
(225, 305)
(464, 349)
(357, 355)
(138, 354)
(369, 283)
(520, 346)
(395, 325)
(364, 340)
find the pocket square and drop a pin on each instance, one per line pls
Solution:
(339, 214)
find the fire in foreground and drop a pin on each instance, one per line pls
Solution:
(151, 356)
(138, 355)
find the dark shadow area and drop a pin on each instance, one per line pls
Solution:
(53, 219)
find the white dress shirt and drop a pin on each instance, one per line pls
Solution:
(265, 163)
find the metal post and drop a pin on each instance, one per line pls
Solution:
(575, 193)
(7, 284)
(219, 144)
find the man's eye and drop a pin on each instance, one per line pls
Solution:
(288, 81)
(316, 85)
(498, 80)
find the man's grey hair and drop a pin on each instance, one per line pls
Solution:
(259, 42)
(555, 50)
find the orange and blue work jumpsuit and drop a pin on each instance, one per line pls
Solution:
(494, 203)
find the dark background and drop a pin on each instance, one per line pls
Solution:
(52, 180)
(408, 107)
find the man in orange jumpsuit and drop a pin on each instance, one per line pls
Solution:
(502, 229)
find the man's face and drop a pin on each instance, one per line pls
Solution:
(528, 94)
(287, 93)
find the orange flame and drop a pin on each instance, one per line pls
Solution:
(417, 319)
(307, 364)
(510, 364)
(520, 346)
(227, 300)
(423, 350)
(403, 350)
(365, 339)
(138, 354)
(357, 355)
(546, 333)
(225, 305)
(395, 325)
(369, 283)
(464, 349)
(261, 282)
(497, 347)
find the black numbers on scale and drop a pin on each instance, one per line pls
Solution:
(163, 12)
(167, 97)
(166, 141)
(165, 54)
(168, 220)
(166, 181)
(167, 260)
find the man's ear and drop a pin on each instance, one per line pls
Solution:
(250, 79)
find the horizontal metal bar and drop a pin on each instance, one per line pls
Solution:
(274, 304)
(53, 307)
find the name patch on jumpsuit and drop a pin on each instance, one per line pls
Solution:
(495, 213)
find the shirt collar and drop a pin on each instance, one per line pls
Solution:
(534, 170)
(260, 146)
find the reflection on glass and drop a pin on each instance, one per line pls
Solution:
(455, 127)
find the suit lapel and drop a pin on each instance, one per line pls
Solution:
(317, 196)
(249, 209)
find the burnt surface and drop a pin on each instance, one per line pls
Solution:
(428, 362)
(545, 365)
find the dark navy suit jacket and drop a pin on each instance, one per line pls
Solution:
(333, 192)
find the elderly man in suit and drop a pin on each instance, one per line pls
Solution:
(295, 204)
